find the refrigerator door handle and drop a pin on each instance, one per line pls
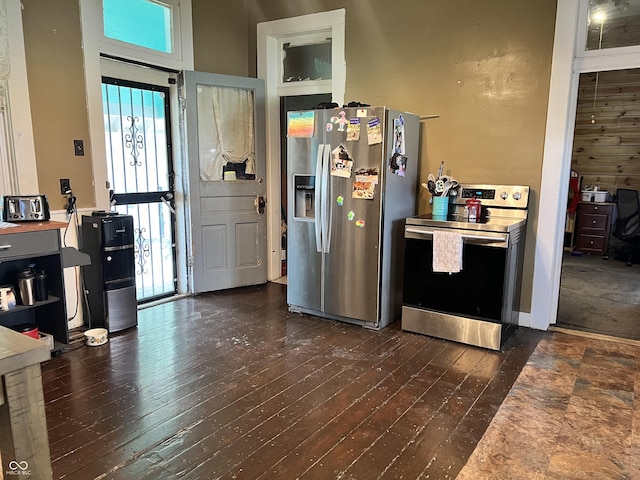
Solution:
(328, 213)
(318, 199)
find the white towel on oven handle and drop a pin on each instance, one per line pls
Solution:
(447, 251)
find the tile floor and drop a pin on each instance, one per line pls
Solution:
(573, 413)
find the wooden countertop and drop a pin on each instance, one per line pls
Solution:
(33, 227)
(18, 351)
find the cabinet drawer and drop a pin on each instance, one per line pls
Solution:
(592, 208)
(14, 245)
(594, 222)
(591, 243)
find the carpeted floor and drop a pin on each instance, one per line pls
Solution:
(600, 296)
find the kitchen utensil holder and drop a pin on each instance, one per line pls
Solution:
(440, 206)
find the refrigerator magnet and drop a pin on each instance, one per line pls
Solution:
(351, 215)
(341, 121)
(340, 200)
(341, 162)
(353, 130)
(363, 190)
(374, 131)
(300, 124)
(398, 133)
(360, 223)
(398, 164)
(329, 127)
(367, 175)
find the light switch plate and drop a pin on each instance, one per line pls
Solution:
(78, 148)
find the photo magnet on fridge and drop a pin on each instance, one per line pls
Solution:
(363, 190)
(341, 162)
(353, 130)
(374, 131)
(367, 175)
(398, 135)
(398, 164)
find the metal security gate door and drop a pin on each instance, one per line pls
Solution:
(141, 175)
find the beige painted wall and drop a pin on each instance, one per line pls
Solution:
(58, 100)
(484, 67)
(57, 89)
(220, 36)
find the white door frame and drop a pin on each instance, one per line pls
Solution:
(569, 60)
(19, 103)
(269, 36)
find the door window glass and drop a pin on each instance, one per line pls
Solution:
(136, 136)
(226, 133)
(144, 23)
(613, 23)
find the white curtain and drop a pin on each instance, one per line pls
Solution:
(225, 130)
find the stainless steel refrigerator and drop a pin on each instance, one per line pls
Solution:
(352, 175)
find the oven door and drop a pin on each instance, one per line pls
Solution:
(476, 292)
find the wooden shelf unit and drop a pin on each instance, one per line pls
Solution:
(38, 244)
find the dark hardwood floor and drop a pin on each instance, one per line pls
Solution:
(232, 385)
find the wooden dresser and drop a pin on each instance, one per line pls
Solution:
(594, 227)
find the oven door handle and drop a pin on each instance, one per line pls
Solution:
(501, 240)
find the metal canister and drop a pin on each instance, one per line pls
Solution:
(25, 286)
(41, 286)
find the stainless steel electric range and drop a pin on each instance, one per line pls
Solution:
(479, 305)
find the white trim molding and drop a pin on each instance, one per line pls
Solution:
(269, 38)
(19, 103)
(555, 169)
(93, 46)
(569, 61)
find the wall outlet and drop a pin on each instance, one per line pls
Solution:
(65, 186)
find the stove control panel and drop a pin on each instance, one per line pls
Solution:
(511, 196)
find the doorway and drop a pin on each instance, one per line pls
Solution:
(273, 38)
(141, 175)
(599, 293)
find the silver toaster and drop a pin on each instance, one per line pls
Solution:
(25, 208)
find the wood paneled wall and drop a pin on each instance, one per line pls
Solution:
(617, 31)
(606, 143)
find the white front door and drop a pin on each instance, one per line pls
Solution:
(225, 133)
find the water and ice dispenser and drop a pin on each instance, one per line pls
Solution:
(304, 202)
